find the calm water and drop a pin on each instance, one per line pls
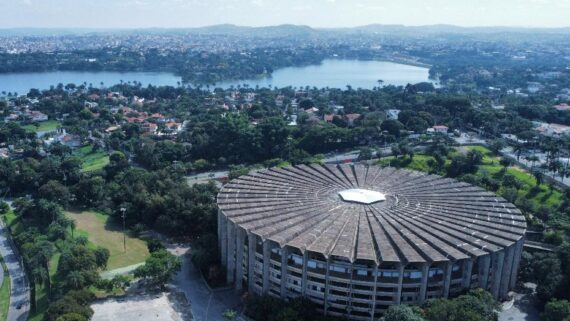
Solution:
(23, 82)
(331, 73)
(340, 73)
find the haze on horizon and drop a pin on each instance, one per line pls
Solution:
(314, 13)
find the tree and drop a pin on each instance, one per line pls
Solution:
(393, 127)
(402, 313)
(74, 302)
(237, 171)
(101, 257)
(496, 146)
(55, 192)
(556, 310)
(154, 245)
(75, 280)
(159, 268)
(506, 162)
(477, 305)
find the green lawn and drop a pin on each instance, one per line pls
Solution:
(92, 161)
(43, 126)
(101, 233)
(4, 292)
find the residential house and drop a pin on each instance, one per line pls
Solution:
(149, 128)
(440, 129)
(37, 116)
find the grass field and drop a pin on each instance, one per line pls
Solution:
(102, 233)
(43, 126)
(4, 292)
(92, 161)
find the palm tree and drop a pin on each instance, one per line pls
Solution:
(42, 253)
(75, 280)
(38, 275)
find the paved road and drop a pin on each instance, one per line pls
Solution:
(206, 305)
(20, 294)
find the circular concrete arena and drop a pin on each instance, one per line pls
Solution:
(357, 239)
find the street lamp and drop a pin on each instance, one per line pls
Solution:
(124, 216)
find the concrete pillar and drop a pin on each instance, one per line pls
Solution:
(223, 239)
(304, 278)
(423, 287)
(239, 258)
(284, 258)
(266, 264)
(400, 281)
(467, 272)
(374, 293)
(516, 263)
(506, 274)
(447, 279)
(326, 297)
(231, 261)
(251, 244)
(498, 262)
(484, 269)
(219, 218)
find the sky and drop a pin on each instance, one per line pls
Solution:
(314, 13)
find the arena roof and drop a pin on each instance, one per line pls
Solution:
(424, 218)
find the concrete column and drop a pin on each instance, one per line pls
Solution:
(447, 279)
(374, 293)
(251, 244)
(506, 274)
(484, 267)
(231, 262)
(423, 287)
(400, 281)
(304, 278)
(239, 258)
(326, 297)
(266, 264)
(219, 218)
(223, 239)
(467, 272)
(284, 258)
(516, 263)
(498, 262)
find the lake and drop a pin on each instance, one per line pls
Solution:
(335, 73)
(331, 73)
(23, 82)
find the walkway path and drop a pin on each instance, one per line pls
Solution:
(120, 271)
(20, 293)
(207, 305)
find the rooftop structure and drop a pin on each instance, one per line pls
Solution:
(357, 239)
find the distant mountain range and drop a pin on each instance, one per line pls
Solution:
(287, 30)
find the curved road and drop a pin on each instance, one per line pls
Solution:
(20, 294)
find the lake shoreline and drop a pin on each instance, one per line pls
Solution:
(331, 73)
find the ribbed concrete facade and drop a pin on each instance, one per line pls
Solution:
(287, 232)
